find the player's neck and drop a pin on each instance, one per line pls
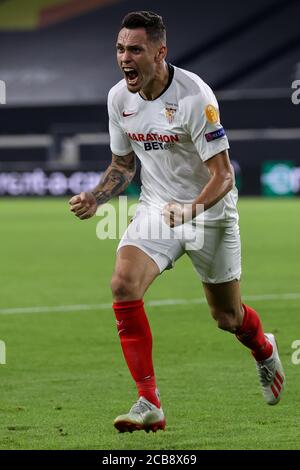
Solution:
(157, 85)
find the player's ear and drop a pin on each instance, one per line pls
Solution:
(161, 53)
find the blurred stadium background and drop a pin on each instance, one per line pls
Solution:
(65, 378)
(58, 63)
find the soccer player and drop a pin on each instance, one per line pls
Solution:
(169, 118)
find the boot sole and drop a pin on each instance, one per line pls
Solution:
(129, 426)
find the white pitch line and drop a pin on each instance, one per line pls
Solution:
(150, 303)
(58, 308)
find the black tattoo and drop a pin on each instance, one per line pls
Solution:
(116, 178)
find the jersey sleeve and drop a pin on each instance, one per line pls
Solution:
(203, 124)
(119, 142)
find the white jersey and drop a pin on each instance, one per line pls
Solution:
(172, 136)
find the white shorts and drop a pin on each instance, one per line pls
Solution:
(214, 250)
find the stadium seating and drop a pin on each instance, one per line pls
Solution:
(58, 77)
(74, 61)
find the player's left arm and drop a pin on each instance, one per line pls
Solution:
(220, 183)
(201, 120)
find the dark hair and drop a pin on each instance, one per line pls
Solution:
(152, 23)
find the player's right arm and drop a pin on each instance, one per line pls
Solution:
(114, 180)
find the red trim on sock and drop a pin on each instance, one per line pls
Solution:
(252, 336)
(128, 304)
(136, 341)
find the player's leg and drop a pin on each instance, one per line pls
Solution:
(142, 255)
(219, 266)
(225, 304)
(134, 272)
(231, 315)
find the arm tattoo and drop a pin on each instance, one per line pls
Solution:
(115, 179)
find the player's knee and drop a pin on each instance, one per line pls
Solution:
(229, 319)
(124, 288)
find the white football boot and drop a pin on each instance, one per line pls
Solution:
(142, 416)
(271, 374)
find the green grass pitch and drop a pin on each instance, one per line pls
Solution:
(65, 379)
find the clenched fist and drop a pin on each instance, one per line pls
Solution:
(175, 214)
(84, 205)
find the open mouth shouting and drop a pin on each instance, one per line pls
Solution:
(131, 76)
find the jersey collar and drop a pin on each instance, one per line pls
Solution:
(170, 79)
